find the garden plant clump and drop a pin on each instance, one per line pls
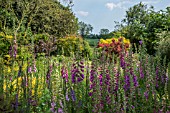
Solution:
(130, 82)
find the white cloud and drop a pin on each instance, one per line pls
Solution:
(112, 5)
(82, 13)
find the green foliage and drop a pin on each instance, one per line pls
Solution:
(54, 19)
(92, 42)
(5, 42)
(106, 36)
(42, 16)
(164, 49)
(72, 45)
(143, 23)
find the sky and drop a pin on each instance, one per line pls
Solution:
(103, 13)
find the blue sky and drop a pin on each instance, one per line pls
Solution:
(102, 13)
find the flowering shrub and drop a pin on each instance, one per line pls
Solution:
(114, 45)
(72, 45)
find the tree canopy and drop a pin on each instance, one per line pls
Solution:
(41, 16)
(27, 19)
(143, 23)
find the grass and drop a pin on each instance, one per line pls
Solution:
(92, 42)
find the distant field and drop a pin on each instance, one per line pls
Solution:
(93, 42)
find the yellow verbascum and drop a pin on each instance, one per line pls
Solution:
(5, 36)
(31, 83)
(9, 37)
(7, 69)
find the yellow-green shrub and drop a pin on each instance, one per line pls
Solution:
(73, 45)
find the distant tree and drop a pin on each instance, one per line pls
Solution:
(85, 29)
(104, 31)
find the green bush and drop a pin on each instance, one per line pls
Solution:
(5, 43)
(164, 49)
(73, 45)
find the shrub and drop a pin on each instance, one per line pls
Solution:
(44, 44)
(5, 42)
(164, 49)
(73, 45)
(114, 45)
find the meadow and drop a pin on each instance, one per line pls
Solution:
(92, 42)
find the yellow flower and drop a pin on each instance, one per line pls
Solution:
(116, 39)
(32, 84)
(126, 41)
(7, 56)
(81, 48)
(9, 37)
(103, 41)
(9, 70)
(16, 68)
(2, 34)
(109, 41)
(24, 67)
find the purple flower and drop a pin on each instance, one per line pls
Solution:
(146, 94)
(10, 51)
(61, 104)
(80, 77)
(30, 69)
(35, 69)
(16, 102)
(67, 98)
(107, 82)
(77, 73)
(117, 81)
(90, 93)
(19, 72)
(60, 110)
(127, 82)
(73, 95)
(122, 61)
(92, 73)
(108, 99)
(64, 73)
(100, 79)
(140, 42)
(135, 82)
